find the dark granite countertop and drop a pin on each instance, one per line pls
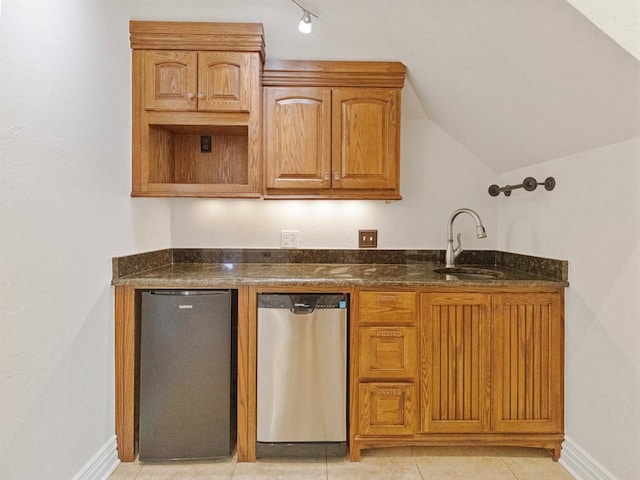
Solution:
(213, 268)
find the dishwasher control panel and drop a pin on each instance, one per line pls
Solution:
(292, 301)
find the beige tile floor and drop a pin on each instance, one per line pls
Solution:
(428, 463)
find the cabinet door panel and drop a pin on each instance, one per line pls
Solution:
(298, 138)
(387, 409)
(527, 368)
(170, 80)
(365, 138)
(455, 363)
(387, 353)
(224, 81)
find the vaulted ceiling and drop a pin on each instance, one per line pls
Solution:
(517, 82)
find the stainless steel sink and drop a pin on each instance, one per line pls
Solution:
(470, 273)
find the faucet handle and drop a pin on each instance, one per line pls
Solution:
(458, 250)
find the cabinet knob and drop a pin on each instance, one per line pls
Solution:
(201, 95)
(327, 176)
(190, 95)
(336, 175)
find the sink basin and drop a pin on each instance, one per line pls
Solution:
(470, 273)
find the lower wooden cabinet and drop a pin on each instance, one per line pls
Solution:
(458, 367)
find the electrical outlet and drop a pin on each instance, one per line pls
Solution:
(367, 238)
(289, 238)
(205, 143)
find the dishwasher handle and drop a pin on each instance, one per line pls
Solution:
(301, 309)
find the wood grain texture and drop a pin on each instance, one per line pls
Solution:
(387, 353)
(238, 37)
(297, 138)
(387, 409)
(365, 138)
(456, 362)
(314, 73)
(247, 323)
(491, 371)
(224, 81)
(183, 94)
(362, 126)
(170, 80)
(125, 365)
(388, 307)
(528, 389)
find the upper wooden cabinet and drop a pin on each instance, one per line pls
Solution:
(197, 116)
(332, 129)
(204, 81)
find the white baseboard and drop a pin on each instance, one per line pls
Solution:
(103, 463)
(580, 464)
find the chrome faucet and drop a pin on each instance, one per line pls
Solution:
(451, 253)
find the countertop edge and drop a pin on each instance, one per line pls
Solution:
(137, 270)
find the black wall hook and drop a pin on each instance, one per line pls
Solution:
(529, 184)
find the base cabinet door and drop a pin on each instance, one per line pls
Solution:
(527, 372)
(387, 408)
(456, 332)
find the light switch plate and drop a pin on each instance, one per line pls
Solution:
(367, 238)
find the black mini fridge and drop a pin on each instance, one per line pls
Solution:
(187, 374)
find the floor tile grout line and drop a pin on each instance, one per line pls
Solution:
(515, 475)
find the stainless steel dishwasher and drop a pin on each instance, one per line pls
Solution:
(302, 375)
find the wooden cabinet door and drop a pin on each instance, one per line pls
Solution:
(170, 80)
(455, 336)
(224, 81)
(387, 409)
(298, 138)
(365, 138)
(387, 353)
(527, 372)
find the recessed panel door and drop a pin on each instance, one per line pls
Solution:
(297, 134)
(170, 80)
(365, 138)
(224, 81)
(455, 362)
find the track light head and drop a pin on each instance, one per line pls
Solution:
(305, 22)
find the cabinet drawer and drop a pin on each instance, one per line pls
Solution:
(387, 353)
(387, 409)
(388, 307)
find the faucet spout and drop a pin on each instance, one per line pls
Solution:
(452, 253)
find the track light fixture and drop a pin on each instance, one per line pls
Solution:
(305, 22)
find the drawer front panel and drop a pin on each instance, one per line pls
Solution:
(388, 307)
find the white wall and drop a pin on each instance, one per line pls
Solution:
(592, 220)
(437, 177)
(64, 212)
(620, 19)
